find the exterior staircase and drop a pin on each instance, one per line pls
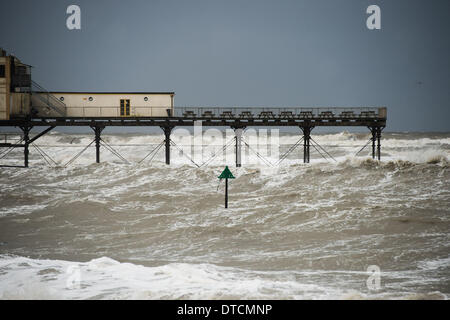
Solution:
(44, 104)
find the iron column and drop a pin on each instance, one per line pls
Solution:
(238, 132)
(379, 143)
(98, 130)
(26, 139)
(373, 130)
(306, 144)
(167, 130)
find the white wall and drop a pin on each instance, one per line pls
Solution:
(108, 104)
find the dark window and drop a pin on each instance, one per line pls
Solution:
(90, 98)
(2, 71)
(62, 98)
(145, 99)
(124, 107)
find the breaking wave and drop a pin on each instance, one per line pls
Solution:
(294, 231)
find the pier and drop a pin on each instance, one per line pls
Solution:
(237, 118)
(25, 104)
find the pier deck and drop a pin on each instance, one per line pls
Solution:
(237, 118)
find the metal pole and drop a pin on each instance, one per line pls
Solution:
(226, 193)
(306, 143)
(167, 131)
(167, 147)
(97, 130)
(26, 139)
(379, 143)
(238, 132)
(97, 146)
(304, 147)
(373, 130)
(307, 147)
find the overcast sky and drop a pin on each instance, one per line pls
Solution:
(245, 53)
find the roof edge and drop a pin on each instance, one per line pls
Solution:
(104, 92)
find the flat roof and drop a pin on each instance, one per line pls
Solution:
(90, 92)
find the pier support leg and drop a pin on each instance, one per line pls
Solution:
(376, 142)
(238, 132)
(97, 130)
(167, 131)
(379, 143)
(306, 143)
(374, 137)
(26, 139)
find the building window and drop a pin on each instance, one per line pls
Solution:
(124, 107)
(145, 98)
(61, 98)
(90, 98)
(2, 71)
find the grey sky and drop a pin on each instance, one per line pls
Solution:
(262, 53)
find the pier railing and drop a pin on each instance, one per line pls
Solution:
(280, 113)
(244, 113)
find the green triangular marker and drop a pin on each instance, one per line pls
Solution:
(226, 174)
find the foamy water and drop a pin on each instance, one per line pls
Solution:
(294, 231)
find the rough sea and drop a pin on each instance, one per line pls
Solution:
(348, 228)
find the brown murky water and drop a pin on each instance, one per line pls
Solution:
(291, 232)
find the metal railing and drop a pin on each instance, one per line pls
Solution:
(341, 113)
(48, 99)
(114, 111)
(278, 113)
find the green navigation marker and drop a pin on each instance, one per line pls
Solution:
(226, 174)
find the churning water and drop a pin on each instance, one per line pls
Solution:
(294, 231)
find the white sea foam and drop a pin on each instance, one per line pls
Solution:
(294, 231)
(63, 147)
(105, 278)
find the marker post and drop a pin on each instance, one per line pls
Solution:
(226, 174)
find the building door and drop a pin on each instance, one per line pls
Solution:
(124, 107)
